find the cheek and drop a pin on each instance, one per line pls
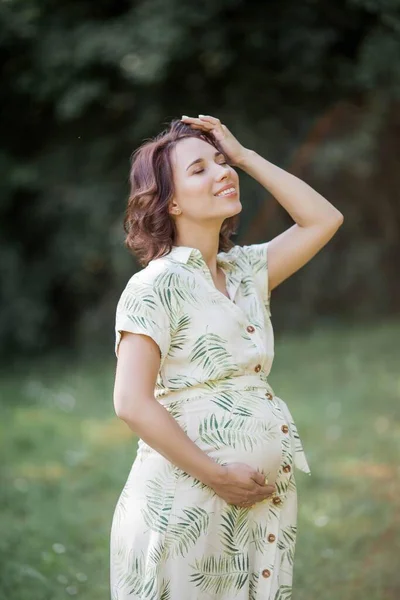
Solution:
(234, 176)
(199, 188)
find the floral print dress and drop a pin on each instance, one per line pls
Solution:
(172, 537)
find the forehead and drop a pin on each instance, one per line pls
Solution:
(189, 149)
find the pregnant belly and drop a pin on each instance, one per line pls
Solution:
(251, 435)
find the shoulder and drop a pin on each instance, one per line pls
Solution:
(254, 255)
(154, 285)
(155, 275)
(241, 257)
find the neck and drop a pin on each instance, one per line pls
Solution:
(206, 243)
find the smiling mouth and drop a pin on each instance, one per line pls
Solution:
(228, 192)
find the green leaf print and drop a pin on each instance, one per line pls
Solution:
(138, 300)
(160, 497)
(258, 259)
(287, 544)
(200, 484)
(174, 287)
(234, 529)
(183, 535)
(175, 410)
(284, 592)
(211, 354)
(141, 311)
(247, 286)
(130, 570)
(297, 442)
(156, 554)
(137, 576)
(292, 484)
(237, 432)
(255, 314)
(179, 334)
(258, 537)
(231, 401)
(165, 592)
(274, 512)
(197, 262)
(181, 381)
(122, 504)
(287, 449)
(213, 386)
(220, 574)
(254, 577)
(281, 486)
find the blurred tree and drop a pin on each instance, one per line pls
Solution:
(312, 86)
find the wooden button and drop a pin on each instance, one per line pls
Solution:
(250, 329)
(269, 395)
(257, 368)
(285, 428)
(287, 469)
(266, 573)
(271, 537)
(276, 500)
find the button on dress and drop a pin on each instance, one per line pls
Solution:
(172, 536)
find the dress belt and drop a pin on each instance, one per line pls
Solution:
(230, 383)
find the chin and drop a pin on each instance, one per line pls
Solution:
(235, 210)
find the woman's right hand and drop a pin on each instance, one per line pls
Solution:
(242, 485)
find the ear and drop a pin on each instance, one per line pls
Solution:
(174, 209)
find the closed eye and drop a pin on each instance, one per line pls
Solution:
(201, 170)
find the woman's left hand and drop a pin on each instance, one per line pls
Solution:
(232, 148)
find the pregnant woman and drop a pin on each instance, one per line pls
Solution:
(209, 507)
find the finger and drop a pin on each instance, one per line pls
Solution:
(261, 485)
(210, 119)
(200, 126)
(194, 126)
(258, 478)
(261, 496)
(195, 120)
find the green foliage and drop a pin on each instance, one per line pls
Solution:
(83, 84)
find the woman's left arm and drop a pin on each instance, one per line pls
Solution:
(317, 220)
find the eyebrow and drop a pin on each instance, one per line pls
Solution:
(201, 159)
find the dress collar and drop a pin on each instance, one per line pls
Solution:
(186, 254)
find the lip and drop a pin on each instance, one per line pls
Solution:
(226, 187)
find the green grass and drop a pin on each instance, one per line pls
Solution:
(65, 458)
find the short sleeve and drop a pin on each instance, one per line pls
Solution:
(257, 256)
(140, 311)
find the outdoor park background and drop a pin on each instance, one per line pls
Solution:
(312, 86)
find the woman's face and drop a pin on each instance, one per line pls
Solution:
(200, 174)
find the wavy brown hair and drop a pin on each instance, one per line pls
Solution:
(150, 229)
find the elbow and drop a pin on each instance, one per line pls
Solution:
(131, 409)
(119, 413)
(336, 220)
(122, 410)
(340, 219)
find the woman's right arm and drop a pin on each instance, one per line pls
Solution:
(134, 402)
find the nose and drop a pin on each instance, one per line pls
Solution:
(223, 172)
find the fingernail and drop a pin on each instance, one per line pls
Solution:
(185, 117)
(202, 115)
